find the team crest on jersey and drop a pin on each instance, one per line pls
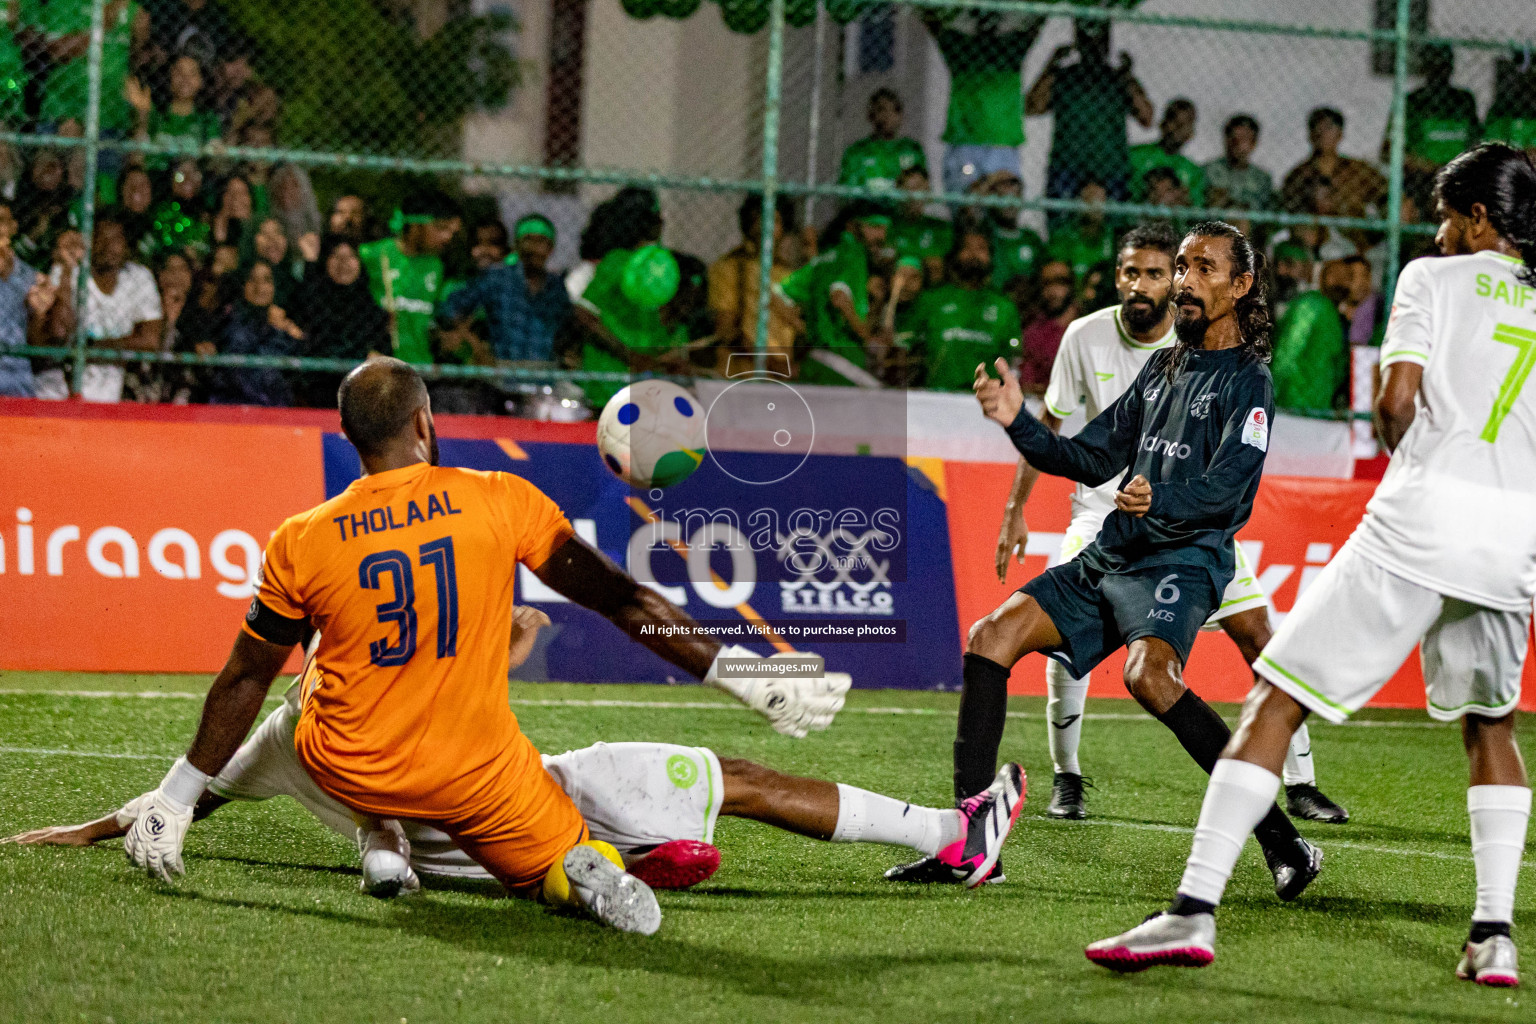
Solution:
(1152, 393)
(1201, 406)
(1256, 429)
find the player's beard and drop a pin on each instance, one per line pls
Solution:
(1142, 316)
(1190, 329)
(432, 444)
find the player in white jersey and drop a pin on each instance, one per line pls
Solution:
(1101, 354)
(1445, 559)
(656, 803)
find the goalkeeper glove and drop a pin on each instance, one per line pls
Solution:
(793, 705)
(154, 842)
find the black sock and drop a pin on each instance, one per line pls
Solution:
(1188, 906)
(1198, 729)
(1482, 931)
(979, 732)
(1204, 735)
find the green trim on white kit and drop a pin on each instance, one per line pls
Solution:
(1270, 662)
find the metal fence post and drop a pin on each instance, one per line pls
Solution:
(88, 198)
(771, 100)
(1399, 144)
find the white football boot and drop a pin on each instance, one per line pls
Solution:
(1490, 962)
(387, 870)
(1171, 939)
(611, 894)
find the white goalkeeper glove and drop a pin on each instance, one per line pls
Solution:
(793, 705)
(154, 842)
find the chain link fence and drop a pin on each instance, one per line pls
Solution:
(237, 200)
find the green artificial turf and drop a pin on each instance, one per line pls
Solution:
(269, 925)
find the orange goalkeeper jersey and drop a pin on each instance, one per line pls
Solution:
(408, 575)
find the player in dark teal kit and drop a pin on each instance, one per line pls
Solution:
(1189, 438)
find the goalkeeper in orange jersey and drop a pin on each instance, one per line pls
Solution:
(408, 575)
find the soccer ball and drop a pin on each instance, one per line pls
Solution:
(651, 434)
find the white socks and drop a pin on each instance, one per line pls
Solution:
(1298, 769)
(1238, 797)
(865, 817)
(1499, 817)
(1065, 698)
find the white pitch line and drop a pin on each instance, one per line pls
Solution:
(688, 705)
(1326, 844)
(58, 752)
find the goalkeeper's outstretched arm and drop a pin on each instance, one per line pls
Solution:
(586, 576)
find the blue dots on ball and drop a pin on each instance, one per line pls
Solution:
(613, 464)
(628, 413)
(683, 405)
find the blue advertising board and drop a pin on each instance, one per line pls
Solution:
(846, 556)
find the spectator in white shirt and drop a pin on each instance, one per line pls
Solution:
(122, 311)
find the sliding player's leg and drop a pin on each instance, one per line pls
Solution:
(1353, 605)
(1244, 614)
(966, 841)
(1472, 660)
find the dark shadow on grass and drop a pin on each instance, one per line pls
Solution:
(519, 929)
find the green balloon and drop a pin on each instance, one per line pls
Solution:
(678, 8)
(650, 277)
(641, 9)
(845, 11)
(744, 16)
(799, 13)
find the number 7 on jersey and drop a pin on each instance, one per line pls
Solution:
(1524, 342)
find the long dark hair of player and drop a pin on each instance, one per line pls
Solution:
(1503, 179)
(1252, 310)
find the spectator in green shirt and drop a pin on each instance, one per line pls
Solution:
(64, 27)
(14, 75)
(1441, 124)
(1016, 250)
(831, 295)
(1175, 130)
(1311, 360)
(405, 272)
(963, 322)
(629, 320)
(1231, 181)
(984, 125)
(1089, 101)
(1512, 114)
(878, 160)
(1087, 240)
(917, 235)
(183, 121)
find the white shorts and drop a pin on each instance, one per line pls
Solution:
(1242, 594)
(1357, 624)
(633, 795)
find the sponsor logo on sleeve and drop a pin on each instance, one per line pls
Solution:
(1256, 429)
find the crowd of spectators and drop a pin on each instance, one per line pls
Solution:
(215, 255)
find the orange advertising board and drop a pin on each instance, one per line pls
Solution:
(130, 545)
